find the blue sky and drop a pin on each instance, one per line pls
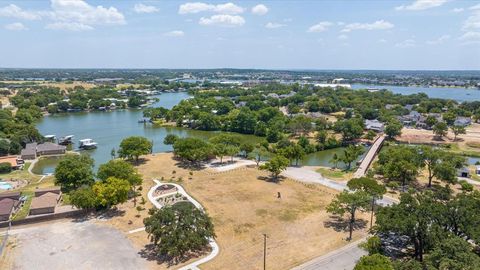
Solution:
(354, 34)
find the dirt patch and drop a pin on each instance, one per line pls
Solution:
(244, 208)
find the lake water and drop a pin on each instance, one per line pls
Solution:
(458, 94)
(109, 128)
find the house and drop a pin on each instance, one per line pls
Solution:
(409, 107)
(9, 204)
(463, 172)
(14, 161)
(463, 121)
(6, 208)
(44, 204)
(477, 169)
(32, 150)
(374, 125)
(40, 191)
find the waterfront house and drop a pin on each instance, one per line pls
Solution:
(477, 169)
(463, 121)
(14, 161)
(32, 150)
(374, 125)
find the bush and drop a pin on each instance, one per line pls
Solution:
(373, 245)
(466, 186)
(393, 185)
(5, 167)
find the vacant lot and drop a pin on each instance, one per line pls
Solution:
(244, 206)
(71, 245)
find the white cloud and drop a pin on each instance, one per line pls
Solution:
(175, 33)
(473, 21)
(69, 26)
(408, 43)
(470, 38)
(14, 11)
(15, 27)
(142, 8)
(458, 10)
(422, 5)
(439, 40)
(223, 20)
(382, 40)
(197, 7)
(260, 9)
(343, 37)
(319, 27)
(378, 25)
(477, 6)
(272, 25)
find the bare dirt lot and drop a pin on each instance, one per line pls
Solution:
(70, 245)
(244, 206)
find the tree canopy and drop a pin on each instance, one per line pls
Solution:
(74, 171)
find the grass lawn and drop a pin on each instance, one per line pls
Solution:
(244, 206)
(335, 174)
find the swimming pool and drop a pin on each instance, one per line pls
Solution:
(5, 185)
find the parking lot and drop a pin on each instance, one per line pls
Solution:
(72, 245)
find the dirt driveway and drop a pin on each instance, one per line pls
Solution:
(73, 245)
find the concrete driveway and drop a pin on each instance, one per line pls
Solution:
(74, 245)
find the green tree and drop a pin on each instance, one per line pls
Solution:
(111, 192)
(453, 254)
(192, 149)
(83, 198)
(374, 262)
(430, 121)
(393, 128)
(441, 164)
(259, 152)
(334, 160)
(74, 171)
(350, 154)
(179, 229)
(349, 203)
(350, 128)
(133, 147)
(170, 139)
(373, 245)
(371, 187)
(440, 129)
(4, 147)
(275, 166)
(119, 169)
(113, 153)
(246, 148)
(294, 152)
(400, 163)
(457, 130)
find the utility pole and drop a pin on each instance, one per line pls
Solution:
(264, 251)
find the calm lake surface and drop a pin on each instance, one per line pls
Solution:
(109, 128)
(458, 94)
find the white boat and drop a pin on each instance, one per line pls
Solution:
(50, 138)
(87, 144)
(66, 140)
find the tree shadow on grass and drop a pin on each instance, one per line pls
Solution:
(340, 224)
(271, 179)
(150, 253)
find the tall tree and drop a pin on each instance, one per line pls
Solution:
(275, 166)
(374, 262)
(440, 129)
(349, 203)
(74, 171)
(371, 187)
(457, 130)
(179, 229)
(135, 146)
(119, 169)
(350, 154)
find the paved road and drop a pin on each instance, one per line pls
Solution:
(344, 258)
(307, 175)
(367, 160)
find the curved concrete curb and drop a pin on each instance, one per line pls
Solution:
(181, 190)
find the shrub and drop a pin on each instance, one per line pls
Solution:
(393, 185)
(5, 167)
(373, 245)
